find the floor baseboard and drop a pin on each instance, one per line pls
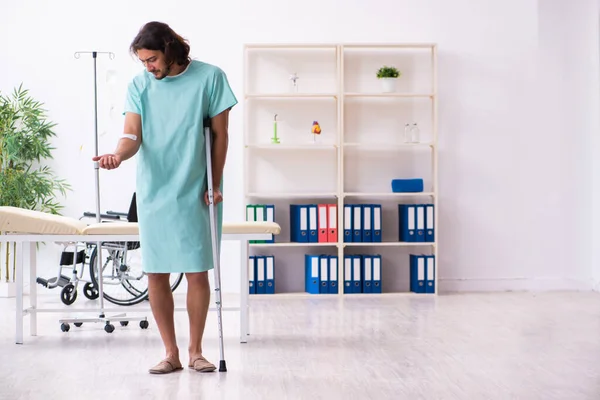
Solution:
(514, 284)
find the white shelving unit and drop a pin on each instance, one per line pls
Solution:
(353, 161)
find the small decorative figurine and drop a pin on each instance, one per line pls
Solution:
(275, 139)
(294, 77)
(315, 130)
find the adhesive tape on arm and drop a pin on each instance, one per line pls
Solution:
(130, 136)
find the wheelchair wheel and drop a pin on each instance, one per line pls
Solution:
(124, 281)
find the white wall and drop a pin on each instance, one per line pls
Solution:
(594, 106)
(501, 100)
(568, 78)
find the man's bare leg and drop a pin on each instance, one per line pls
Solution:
(198, 300)
(163, 308)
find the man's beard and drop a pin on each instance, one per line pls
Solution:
(161, 76)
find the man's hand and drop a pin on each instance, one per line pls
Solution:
(108, 161)
(217, 196)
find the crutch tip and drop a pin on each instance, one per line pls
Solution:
(222, 366)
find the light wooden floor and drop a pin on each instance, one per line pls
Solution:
(475, 346)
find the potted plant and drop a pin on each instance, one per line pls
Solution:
(388, 76)
(25, 181)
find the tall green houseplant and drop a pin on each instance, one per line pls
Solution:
(25, 134)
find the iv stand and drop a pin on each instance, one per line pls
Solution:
(102, 317)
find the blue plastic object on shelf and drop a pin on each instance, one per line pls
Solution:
(407, 185)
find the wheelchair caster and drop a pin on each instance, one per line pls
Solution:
(109, 328)
(64, 327)
(78, 324)
(124, 323)
(90, 291)
(144, 324)
(68, 294)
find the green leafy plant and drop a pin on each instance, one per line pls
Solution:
(25, 182)
(388, 72)
(25, 135)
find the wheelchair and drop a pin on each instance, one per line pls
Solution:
(124, 281)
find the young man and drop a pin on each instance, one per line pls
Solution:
(165, 110)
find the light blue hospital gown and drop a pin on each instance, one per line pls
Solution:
(171, 167)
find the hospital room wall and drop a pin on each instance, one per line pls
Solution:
(515, 133)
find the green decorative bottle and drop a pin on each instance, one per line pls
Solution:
(275, 139)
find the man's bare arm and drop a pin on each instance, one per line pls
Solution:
(126, 148)
(220, 128)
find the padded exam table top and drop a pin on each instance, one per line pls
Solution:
(20, 220)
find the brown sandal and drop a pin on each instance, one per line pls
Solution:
(200, 364)
(166, 366)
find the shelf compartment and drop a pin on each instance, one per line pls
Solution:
(282, 218)
(285, 172)
(295, 117)
(395, 268)
(315, 66)
(361, 64)
(390, 222)
(373, 172)
(382, 121)
(289, 267)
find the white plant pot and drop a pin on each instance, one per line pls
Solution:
(388, 85)
(8, 289)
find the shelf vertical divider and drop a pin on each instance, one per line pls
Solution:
(341, 160)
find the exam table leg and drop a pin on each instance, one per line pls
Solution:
(244, 293)
(32, 288)
(19, 305)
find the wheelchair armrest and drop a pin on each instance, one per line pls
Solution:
(117, 213)
(106, 216)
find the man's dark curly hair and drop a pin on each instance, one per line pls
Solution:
(159, 36)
